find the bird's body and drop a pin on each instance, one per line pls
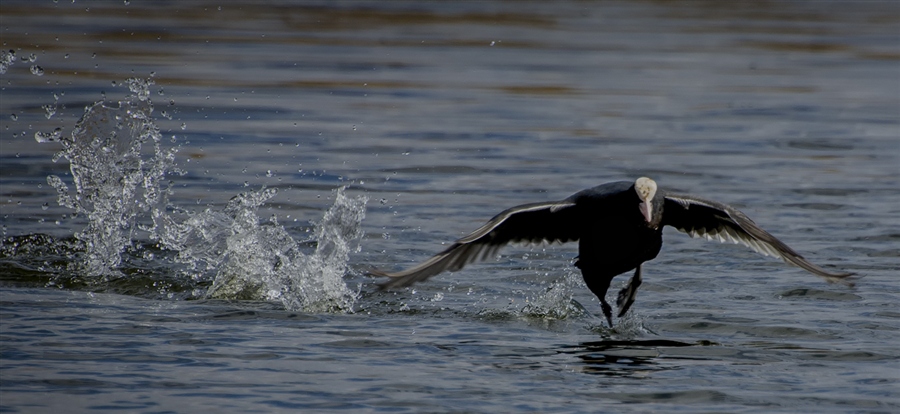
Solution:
(618, 227)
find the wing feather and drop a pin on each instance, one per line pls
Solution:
(532, 223)
(716, 221)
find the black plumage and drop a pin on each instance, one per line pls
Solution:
(618, 227)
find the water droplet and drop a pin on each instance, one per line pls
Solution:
(49, 110)
(6, 60)
(14, 117)
(37, 70)
(43, 137)
(183, 126)
(45, 206)
(269, 173)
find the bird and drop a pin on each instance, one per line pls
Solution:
(618, 227)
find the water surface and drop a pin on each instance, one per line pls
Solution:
(265, 156)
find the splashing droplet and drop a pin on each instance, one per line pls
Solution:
(114, 183)
(49, 110)
(6, 60)
(140, 87)
(44, 137)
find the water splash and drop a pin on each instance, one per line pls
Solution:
(7, 59)
(120, 187)
(555, 302)
(115, 182)
(49, 110)
(44, 137)
(254, 260)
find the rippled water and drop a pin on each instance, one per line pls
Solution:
(226, 174)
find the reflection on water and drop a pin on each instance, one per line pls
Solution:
(616, 358)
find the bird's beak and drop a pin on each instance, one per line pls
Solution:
(647, 211)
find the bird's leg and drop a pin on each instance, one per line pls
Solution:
(607, 311)
(598, 284)
(628, 293)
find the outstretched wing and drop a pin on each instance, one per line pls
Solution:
(704, 218)
(533, 223)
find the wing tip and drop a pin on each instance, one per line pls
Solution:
(395, 280)
(844, 278)
(387, 284)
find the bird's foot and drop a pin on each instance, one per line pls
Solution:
(629, 292)
(625, 299)
(627, 295)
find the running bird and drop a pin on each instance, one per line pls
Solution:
(618, 227)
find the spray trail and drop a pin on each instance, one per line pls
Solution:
(121, 187)
(116, 182)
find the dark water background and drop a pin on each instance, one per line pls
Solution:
(434, 116)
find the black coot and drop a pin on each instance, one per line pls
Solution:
(618, 227)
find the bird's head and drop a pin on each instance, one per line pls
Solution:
(646, 191)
